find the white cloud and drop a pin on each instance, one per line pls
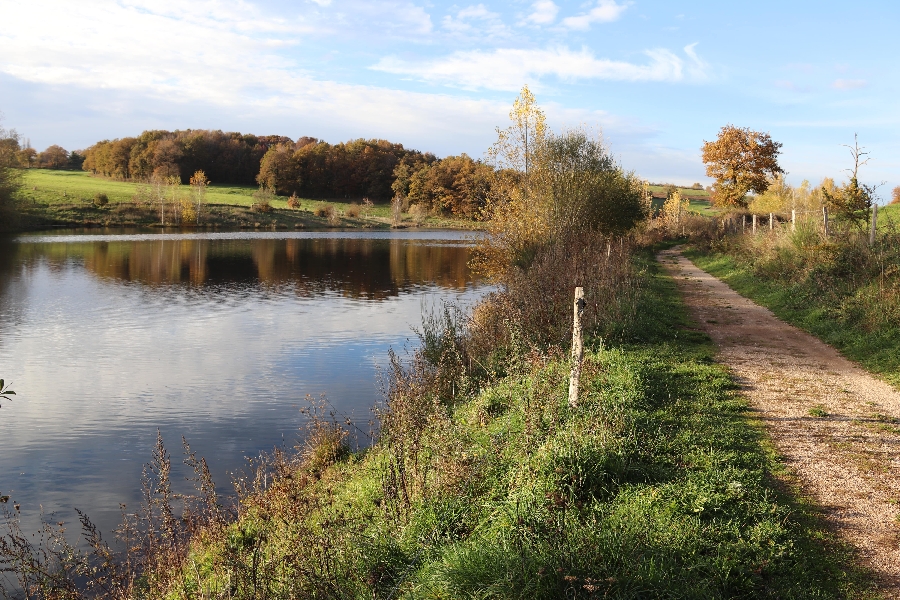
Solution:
(476, 20)
(543, 12)
(605, 11)
(508, 69)
(849, 84)
(698, 69)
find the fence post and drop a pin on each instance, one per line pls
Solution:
(825, 219)
(771, 222)
(793, 220)
(754, 224)
(743, 223)
(577, 347)
(874, 225)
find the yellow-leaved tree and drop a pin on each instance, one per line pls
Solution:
(199, 183)
(549, 187)
(516, 223)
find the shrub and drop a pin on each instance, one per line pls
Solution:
(293, 202)
(396, 211)
(188, 211)
(324, 210)
(262, 200)
(419, 213)
(353, 210)
(101, 199)
(534, 305)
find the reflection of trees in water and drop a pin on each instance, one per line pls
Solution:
(8, 261)
(354, 267)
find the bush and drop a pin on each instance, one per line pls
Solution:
(188, 212)
(101, 199)
(262, 200)
(535, 304)
(353, 210)
(293, 202)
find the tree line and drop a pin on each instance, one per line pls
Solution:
(16, 154)
(225, 157)
(376, 169)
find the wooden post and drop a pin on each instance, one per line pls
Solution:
(825, 219)
(874, 226)
(743, 223)
(608, 249)
(771, 222)
(793, 220)
(577, 347)
(754, 224)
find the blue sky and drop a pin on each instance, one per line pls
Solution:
(657, 77)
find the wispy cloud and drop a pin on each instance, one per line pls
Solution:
(543, 12)
(605, 11)
(507, 69)
(849, 84)
(475, 20)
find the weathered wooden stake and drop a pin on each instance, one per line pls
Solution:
(874, 226)
(754, 224)
(825, 219)
(793, 220)
(771, 222)
(744, 224)
(577, 347)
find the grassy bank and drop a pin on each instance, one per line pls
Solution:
(66, 198)
(657, 485)
(840, 290)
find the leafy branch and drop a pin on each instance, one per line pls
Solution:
(5, 392)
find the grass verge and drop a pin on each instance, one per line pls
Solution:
(842, 315)
(657, 485)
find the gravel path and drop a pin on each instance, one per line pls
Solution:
(836, 427)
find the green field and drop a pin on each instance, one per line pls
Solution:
(46, 186)
(53, 198)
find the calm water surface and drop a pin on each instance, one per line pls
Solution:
(216, 337)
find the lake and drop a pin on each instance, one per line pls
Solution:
(218, 337)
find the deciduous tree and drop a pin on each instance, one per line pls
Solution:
(279, 171)
(199, 183)
(54, 157)
(853, 201)
(740, 160)
(548, 187)
(10, 178)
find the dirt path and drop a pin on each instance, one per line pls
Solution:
(836, 426)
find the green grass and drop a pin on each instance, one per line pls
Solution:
(51, 197)
(685, 191)
(888, 213)
(841, 315)
(659, 485)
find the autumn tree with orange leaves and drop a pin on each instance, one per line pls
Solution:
(740, 160)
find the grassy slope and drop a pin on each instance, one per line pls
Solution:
(67, 196)
(659, 485)
(888, 213)
(877, 351)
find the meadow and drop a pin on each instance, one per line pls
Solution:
(66, 198)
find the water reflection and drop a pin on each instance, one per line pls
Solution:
(364, 268)
(216, 338)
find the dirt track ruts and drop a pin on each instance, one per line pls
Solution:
(848, 460)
